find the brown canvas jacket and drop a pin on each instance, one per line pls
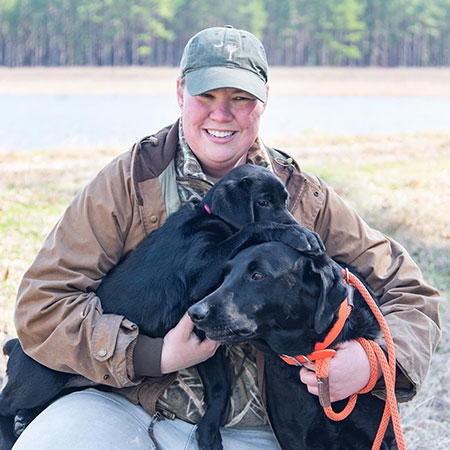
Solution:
(59, 318)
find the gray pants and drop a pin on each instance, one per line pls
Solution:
(95, 420)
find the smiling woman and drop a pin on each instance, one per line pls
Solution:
(221, 125)
(222, 93)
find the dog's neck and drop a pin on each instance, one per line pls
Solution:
(360, 323)
(322, 349)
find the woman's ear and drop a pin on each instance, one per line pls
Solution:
(180, 93)
(267, 96)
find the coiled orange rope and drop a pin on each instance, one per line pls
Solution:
(375, 355)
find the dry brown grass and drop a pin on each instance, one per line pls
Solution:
(405, 177)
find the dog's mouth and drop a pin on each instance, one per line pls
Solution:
(228, 334)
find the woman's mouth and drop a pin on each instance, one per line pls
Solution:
(220, 134)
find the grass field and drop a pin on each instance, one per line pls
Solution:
(400, 184)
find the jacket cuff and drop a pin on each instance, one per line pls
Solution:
(147, 356)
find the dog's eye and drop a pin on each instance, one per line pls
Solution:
(257, 276)
(263, 203)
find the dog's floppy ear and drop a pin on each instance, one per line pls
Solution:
(328, 302)
(232, 201)
(329, 290)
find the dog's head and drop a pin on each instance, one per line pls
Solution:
(248, 194)
(274, 295)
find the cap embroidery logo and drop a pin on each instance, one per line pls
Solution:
(231, 49)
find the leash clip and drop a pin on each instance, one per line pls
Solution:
(323, 385)
(294, 361)
(347, 275)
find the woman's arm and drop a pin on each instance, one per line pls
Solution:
(409, 305)
(58, 317)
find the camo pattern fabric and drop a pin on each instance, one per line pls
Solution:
(184, 397)
(191, 181)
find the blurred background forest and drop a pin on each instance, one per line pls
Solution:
(294, 32)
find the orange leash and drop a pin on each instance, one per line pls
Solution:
(375, 355)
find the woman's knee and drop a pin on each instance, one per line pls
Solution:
(88, 420)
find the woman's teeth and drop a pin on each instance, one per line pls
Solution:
(220, 134)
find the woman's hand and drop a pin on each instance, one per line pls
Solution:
(349, 372)
(182, 348)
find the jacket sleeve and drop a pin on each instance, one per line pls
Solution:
(58, 317)
(409, 305)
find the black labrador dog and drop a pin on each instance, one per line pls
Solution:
(247, 206)
(284, 301)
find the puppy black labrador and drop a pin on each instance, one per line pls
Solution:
(284, 301)
(245, 207)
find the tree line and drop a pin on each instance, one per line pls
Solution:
(294, 32)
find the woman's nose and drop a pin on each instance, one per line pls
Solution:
(221, 112)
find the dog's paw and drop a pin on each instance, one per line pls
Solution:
(207, 441)
(302, 240)
(21, 421)
(315, 243)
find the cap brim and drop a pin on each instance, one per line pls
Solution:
(210, 78)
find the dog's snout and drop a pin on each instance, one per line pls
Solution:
(198, 312)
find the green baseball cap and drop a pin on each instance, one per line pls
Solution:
(225, 57)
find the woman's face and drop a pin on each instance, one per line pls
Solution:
(220, 126)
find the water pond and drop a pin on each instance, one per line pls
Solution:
(34, 122)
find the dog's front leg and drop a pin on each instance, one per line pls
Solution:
(215, 376)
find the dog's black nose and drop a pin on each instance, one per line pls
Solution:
(198, 312)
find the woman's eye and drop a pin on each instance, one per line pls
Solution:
(257, 276)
